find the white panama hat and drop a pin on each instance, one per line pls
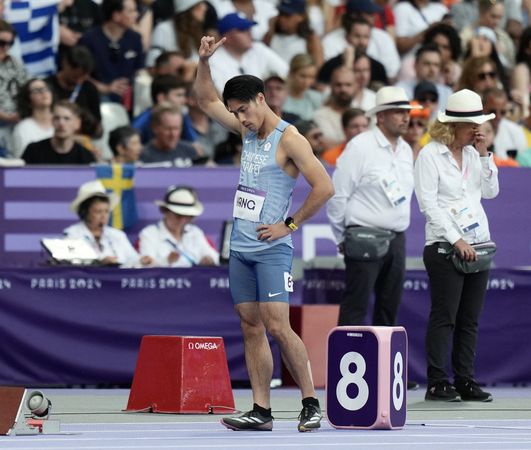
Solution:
(91, 189)
(464, 106)
(181, 200)
(391, 97)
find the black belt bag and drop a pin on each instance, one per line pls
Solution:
(485, 252)
(367, 243)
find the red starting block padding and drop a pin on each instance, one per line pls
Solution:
(181, 374)
(367, 377)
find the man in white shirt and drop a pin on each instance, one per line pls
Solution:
(428, 65)
(381, 45)
(239, 55)
(373, 184)
(509, 135)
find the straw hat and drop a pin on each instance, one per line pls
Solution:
(181, 200)
(93, 189)
(464, 106)
(391, 97)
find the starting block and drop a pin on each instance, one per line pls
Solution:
(181, 374)
(366, 384)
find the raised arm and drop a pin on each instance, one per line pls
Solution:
(207, 96)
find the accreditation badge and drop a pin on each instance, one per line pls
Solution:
(463, 216)
(248, 203)
(392, 190)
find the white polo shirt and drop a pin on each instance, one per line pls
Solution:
(359, 197)
(381, 47)
(156, 241)
(440, 185)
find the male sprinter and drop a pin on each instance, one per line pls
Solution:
(273, 154)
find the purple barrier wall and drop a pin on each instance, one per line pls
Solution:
(503, 353)
(34, 203)
(84, 326)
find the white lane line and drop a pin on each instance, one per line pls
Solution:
(339, 434)
(294, 445)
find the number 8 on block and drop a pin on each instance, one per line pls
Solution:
(367, 377)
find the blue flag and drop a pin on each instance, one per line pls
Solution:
(119, 179)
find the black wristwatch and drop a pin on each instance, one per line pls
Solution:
(290, 223)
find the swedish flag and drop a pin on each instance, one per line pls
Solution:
(119, 179)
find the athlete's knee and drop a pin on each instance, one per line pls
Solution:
(251, 328)
(279, 330)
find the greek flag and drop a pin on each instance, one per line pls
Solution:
(37, 26)
(119, 179)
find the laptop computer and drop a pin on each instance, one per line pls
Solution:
(70, 251)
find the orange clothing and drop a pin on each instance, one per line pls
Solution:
(505, 162)
(331, 155)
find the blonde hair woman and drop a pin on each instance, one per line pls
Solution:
(302, 100)
(452, 174)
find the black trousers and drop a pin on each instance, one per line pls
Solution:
(456, 303)
(385, 277)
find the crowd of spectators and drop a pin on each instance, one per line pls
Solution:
(319, 59)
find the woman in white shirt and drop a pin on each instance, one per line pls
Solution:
(35, 108)
(93, 206)
(452, 174)
(174, 241)
(181, 33)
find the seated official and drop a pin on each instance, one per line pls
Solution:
(167, 145)
(93, 206)
(174, 241)
(61, 148)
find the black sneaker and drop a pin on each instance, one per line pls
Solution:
(250, 421)
(310, 418)
(442, 391)
(412, 385)
(470, 391)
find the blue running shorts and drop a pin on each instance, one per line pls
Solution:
(263, 276)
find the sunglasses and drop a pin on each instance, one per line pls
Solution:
(417, 123)
(6, 43)
(484, 75)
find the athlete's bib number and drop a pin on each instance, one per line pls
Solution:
(248, 203)
(356, 378)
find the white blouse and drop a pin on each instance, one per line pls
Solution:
(113, 242)
(156, 241)
(440, 186)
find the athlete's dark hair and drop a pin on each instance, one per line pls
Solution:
(244, 88)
